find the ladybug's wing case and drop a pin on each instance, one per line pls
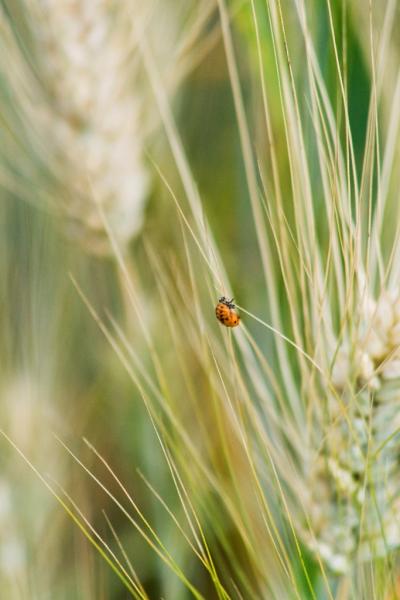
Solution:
(232, 320)
(235, 320)
(226, 316)
(221, 312)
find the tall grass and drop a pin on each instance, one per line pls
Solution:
(268, 455)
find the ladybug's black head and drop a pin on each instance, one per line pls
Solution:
(227, 302)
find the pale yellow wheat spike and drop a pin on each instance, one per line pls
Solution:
(83, 103)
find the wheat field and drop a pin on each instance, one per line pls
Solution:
(156, 157)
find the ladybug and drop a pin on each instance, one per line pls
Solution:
(225, 312)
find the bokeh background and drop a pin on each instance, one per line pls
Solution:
(81, 129)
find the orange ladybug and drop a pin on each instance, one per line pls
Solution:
(225, 312)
